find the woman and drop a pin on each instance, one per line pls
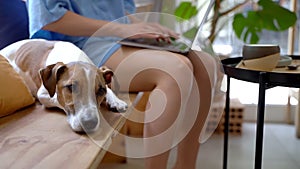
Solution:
(169, 76)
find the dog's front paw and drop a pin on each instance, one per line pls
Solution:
(114, 103)
(118, 105)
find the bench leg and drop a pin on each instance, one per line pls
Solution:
(130, 129)
(118, 142)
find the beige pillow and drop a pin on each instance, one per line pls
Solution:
(14, 94)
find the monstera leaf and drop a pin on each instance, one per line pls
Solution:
(270, 16)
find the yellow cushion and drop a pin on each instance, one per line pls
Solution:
(14, 94)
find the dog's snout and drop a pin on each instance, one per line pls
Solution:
(89, 122)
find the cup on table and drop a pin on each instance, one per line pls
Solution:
(262, 57)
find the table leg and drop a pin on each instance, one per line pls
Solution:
(297, 115)
(260, 120)
(226, 124)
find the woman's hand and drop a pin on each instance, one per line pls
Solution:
(146, 30)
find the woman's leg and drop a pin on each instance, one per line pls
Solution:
(169, 77)
(205, 71)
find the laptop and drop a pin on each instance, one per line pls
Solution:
(180, 45)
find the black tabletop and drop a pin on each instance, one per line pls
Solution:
(284, 79)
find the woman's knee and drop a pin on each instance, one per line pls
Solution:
(142, 59)
(185, 60)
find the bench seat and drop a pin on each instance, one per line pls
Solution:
(36, 137)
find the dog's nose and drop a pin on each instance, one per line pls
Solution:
(89, 122)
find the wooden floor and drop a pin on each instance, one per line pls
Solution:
(281, 150)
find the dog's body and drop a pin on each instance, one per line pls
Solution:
(60, 75)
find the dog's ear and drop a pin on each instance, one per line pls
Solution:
(107, 74)
(50, 75)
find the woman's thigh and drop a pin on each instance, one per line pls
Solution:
(142, 69)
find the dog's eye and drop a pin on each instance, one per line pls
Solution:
(101, 91)
(71, 87)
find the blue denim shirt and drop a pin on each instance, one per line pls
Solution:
(43, 12)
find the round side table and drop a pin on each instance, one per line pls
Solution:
(278, 77)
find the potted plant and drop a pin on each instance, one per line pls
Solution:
(266, 15)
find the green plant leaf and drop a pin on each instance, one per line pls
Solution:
(186, 10)
(276, 18)
(246, 28)
(270, 16)
(191, 33)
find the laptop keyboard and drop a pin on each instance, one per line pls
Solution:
(154, 42)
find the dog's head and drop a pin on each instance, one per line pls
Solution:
(80, 89)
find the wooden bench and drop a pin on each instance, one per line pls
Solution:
(41, 138)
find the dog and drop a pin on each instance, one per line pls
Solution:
(61, 75)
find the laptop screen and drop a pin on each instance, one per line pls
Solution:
(182, 45)
(205, 9)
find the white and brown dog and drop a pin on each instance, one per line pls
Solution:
(60, 75)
